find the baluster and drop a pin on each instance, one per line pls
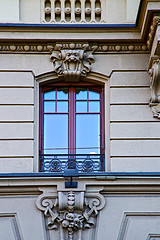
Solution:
(77, 11)
(44, 5)
(103, 11)
(83, 11)
(72, 11)
(63, 11)
(93, 20)
(47, 11)
(52, 11)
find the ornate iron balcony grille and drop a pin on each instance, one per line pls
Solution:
(82, 162)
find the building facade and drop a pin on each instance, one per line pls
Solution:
(79, 119)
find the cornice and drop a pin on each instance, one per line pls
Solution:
(114, 185)
(97, 48)
(123, 38)
(109, 187)
(139, 38)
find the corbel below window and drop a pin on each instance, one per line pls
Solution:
(71, 212)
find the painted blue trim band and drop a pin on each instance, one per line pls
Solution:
(55, 175)
(25, 25)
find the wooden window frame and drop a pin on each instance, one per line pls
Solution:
(71, 113)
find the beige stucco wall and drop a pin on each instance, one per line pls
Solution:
(28, 11)
(9, 11)
(16, 121)
(132, 10)
(131, 209)
(131, 134)
(125, 218)
(133, 130)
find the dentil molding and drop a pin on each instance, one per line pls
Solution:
(71, 213)
(155, 88)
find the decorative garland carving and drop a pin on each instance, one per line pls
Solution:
(70, 212)
(72, 63)
(152, 31)
(155, 88)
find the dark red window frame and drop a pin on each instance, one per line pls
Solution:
(71, 112)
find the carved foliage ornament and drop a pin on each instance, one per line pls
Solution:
(72, 63)
(70, 212)
(155, 88)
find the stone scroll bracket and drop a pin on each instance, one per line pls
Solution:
(155, 88)
(153, 44)
(72, 61)
(70, 212)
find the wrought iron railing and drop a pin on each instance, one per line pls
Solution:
(92, 163)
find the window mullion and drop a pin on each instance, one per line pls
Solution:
(72, 120)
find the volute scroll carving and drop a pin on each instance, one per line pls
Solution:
(155, 88)
(72, 62)
(70, 212)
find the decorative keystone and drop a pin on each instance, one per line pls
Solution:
(70, 212)
(73, 62)
(155, 88)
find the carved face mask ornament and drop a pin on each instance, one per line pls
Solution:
(72, 63)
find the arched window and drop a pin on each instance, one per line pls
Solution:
(71, 127)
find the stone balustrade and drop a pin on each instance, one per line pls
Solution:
(74, 11)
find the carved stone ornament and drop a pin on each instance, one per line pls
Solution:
(70, 212)
(152, 31)
(73, 62)
(155, 88)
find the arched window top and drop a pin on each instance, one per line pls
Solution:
(52, 79)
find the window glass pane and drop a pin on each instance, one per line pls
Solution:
(55, 133)
(81, 93)
(49, 95)
(94, 94)
(81, 106)
(94, 106)
(88, 133)
(49, 106)
(62, 106)
(62, 93)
